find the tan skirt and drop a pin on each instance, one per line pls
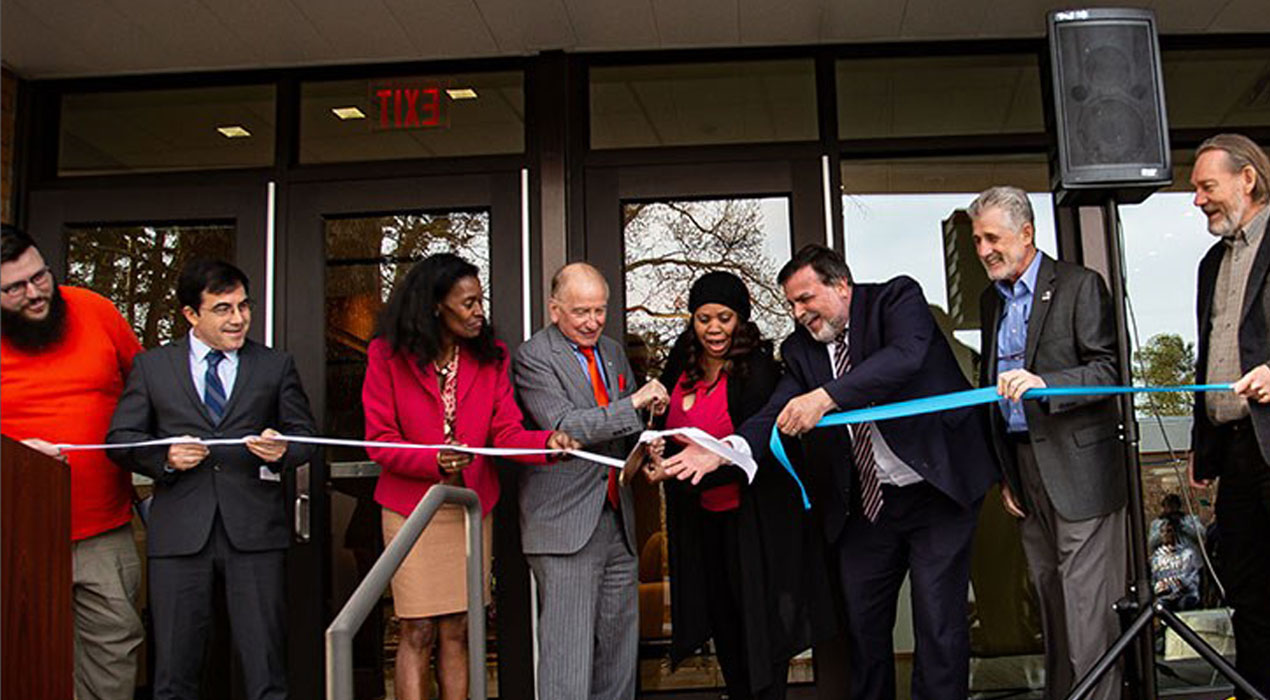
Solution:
(432, 580)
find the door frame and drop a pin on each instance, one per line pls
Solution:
(245, 202)
(798, 173)
(302, 327)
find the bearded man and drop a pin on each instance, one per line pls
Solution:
(64, 356)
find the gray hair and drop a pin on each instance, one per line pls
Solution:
(1242, 152)
(573, 271)
(1012, 201)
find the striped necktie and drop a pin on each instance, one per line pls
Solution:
(213, 389)
(861, 442)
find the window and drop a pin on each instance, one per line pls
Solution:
(897, 97)
(704, 103)
(412, 117)
(167, 130)
(137, 267)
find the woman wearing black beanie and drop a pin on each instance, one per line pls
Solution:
(745, 563)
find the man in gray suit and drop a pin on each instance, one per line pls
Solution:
(577, 523)
(1049, 323)
(218, 511)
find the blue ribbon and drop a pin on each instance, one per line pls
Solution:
(963, 399)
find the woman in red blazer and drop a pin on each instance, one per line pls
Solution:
(434, 352)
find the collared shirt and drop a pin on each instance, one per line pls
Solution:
(1228, 302)
(599, 362)
(891, 469)
(1012, 336)
(227, 370)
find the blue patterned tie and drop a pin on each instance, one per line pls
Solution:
(214, 390)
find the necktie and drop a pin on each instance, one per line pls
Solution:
(213, 389)
(861, 444)
(601, 400)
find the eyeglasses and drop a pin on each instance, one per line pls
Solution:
(226, 309)
(37, 280)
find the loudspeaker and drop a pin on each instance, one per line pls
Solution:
(1106, 106)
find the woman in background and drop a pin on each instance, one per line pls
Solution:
(433, 352)
(745, 563)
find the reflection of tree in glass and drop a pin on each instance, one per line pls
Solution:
(365, 257)
(670, 244)
(1166, 360)
(391, 244)
(136, 267)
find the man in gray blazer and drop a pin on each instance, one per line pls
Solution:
(577, 523)
(1049, 323)
(218, 511)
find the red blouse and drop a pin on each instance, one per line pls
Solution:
(709, 412)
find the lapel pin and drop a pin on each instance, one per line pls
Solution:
(1046, 296)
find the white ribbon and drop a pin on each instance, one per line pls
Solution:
(700, 437)
(316, 440)
(709, 442)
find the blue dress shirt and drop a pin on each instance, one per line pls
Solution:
(227, 370)
(599, 362)
(1012, 336)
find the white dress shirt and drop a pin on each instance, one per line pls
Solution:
(891, 469)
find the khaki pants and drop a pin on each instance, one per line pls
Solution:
(106, 579)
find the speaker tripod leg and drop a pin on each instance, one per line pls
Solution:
(1109, 657)
(1205, 650)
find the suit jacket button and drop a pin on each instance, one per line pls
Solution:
(215, 467)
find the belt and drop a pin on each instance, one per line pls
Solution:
(1019, 438)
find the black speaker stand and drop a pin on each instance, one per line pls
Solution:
(1143, 614)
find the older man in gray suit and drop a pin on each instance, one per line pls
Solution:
(1049, 323)
(577, 522)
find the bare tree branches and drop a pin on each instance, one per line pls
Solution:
(670, 244)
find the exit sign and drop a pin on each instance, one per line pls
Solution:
(406, 105)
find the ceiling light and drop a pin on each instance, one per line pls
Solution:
(461, 93)
(233, 131)
(346, 113)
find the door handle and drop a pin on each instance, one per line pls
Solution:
(302, 503)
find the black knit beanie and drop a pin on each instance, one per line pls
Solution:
(720, 288)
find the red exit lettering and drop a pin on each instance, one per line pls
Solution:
(408, 107)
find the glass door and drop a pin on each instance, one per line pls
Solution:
(918, 206)
(653, 230)
(129, 245)
(348, 244)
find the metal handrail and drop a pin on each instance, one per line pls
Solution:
(339, 636)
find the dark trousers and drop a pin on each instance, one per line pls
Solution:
(181, 590)
(1243, 519)
(720, 553)
(925, 534)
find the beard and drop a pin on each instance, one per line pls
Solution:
(36, 336)
(1226, 226)
(829, 328)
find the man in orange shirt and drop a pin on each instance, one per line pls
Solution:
(64, 355)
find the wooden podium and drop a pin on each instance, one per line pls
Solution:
(35, 575)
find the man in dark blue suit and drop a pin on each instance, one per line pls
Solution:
(895, 498)
(219, 511)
